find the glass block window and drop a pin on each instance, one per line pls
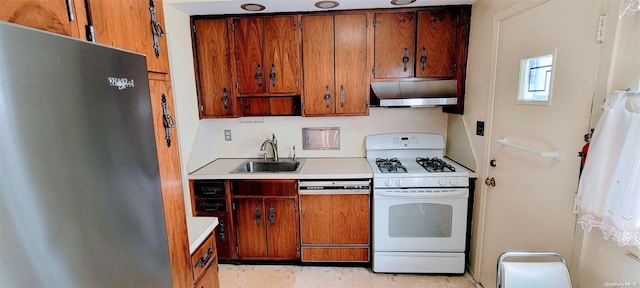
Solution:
(536, 75)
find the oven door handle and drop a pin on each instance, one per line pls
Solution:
(451, 193)
(334, 192)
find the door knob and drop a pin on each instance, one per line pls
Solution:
(493, 163)
(490, 182)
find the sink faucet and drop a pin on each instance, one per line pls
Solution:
(274, 146)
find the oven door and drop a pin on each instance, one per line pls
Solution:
(420, 221)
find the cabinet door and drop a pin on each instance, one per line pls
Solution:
(223, 234)
(318, 68)
(282, 228)
(212, 57)
(171, 182)
(255, 106)
(335, 219)
(126, 24)
(282, 55)
(250, 228)
(394, 44)
(436, 47)
(56, 16)
(249, 55)
(351, 73)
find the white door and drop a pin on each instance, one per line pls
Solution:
(530, 206)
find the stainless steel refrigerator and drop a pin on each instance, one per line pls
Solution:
(80, 197)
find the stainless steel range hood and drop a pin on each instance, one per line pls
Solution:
(419, 93)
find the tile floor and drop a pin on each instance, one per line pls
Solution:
(284, 276)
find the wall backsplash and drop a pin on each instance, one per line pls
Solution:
(247, 135)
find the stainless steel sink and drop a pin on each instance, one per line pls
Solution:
(258, 166)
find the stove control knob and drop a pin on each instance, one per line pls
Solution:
(387, 182)
(399, 182)
(442, 182)
(453, 181)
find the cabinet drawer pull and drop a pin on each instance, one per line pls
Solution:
(72, 16)
(259, 74)
(256, 215)
(327, 97)
(156, 29)
(167, 120)
(423, 58)
(272, 75)
(405, 59)
(225, 98)
(341, 95)
(272, 215)
(206, 257)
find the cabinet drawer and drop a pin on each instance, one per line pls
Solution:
(210, 206)
(204, 256)
(265, 188)
(209, 189)
(335, 254)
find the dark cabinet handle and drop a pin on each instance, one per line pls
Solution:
(272, 75)
(206, 257)
(423, 58)
(167, 121)
(225, 98)
(259, 75)
(156, 29)
(272, 215)
(221, 232)
(405, 59)
(341, 95)
(256, 215)
(72, 16)
(327, 97)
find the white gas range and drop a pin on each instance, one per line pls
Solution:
(419, 204)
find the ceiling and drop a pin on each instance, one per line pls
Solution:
(219, 7)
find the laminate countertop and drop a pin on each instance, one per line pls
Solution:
(199, 228)
(312, 168)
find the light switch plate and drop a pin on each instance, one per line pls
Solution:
(480, 128)
(227, 135)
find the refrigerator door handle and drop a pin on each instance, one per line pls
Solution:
(168, 121)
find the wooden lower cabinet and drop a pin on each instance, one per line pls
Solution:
(266, 219)
(335, 228)
(205, 264)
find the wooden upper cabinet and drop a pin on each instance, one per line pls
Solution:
(351, 72)
(56, 16)
(266, 56)
(394, 44)
(127, 24)
(335, 64)
(417, 44)
(249, 53)
(436, 43)
(318, 69)
(213, 68)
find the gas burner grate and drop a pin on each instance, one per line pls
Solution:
(434, 164)
(392, 165)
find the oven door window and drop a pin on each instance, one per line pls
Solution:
(420, 220)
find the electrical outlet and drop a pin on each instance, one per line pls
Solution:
(227, 135)
(480, 128)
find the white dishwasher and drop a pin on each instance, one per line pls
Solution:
(335, 220)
